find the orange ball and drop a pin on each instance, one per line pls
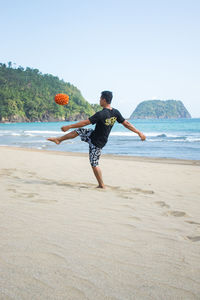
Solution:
(61, 99)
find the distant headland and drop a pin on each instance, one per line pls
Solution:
(160, 109)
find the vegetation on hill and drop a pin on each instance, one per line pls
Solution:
(27, 95)
(157, 109)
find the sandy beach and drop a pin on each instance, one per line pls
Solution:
(61, 238)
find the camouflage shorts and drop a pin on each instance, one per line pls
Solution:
(94, 152)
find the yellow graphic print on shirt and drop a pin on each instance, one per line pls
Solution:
(110, 121)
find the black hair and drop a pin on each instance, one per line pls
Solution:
(107, 96)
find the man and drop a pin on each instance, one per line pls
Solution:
(98, 137)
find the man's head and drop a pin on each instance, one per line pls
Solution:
(106, 96)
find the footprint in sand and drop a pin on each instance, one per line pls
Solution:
(125, 196)
(23, 195)
(29, 195)
(192, 222)
(194, 238)
(134, 218)
(130, 191)
(129, 226)
(162, 204)
(44, 201)
(12, 190)
(7, 172)
(176, 213)
(143, 191)
(128, 206)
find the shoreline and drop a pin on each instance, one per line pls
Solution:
(127, 118)
(112, 156)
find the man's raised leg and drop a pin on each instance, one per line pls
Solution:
(98, 175)
(68, 136)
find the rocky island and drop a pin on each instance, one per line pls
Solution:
(159, 109)
(27, 95)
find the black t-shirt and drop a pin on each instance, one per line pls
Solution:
(104, 121)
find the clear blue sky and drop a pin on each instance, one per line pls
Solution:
(139, 49)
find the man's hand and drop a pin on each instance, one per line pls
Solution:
(142, 136)
(65, 128)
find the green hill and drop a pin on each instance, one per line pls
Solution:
(27, 95)
(157, 109)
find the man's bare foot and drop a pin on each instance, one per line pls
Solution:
(55, 140)
(101, 187)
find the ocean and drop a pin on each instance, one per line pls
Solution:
(178, 138)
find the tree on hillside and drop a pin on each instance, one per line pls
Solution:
(28, 95)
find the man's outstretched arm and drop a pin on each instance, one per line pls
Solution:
(132, 128)
(76, 125)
